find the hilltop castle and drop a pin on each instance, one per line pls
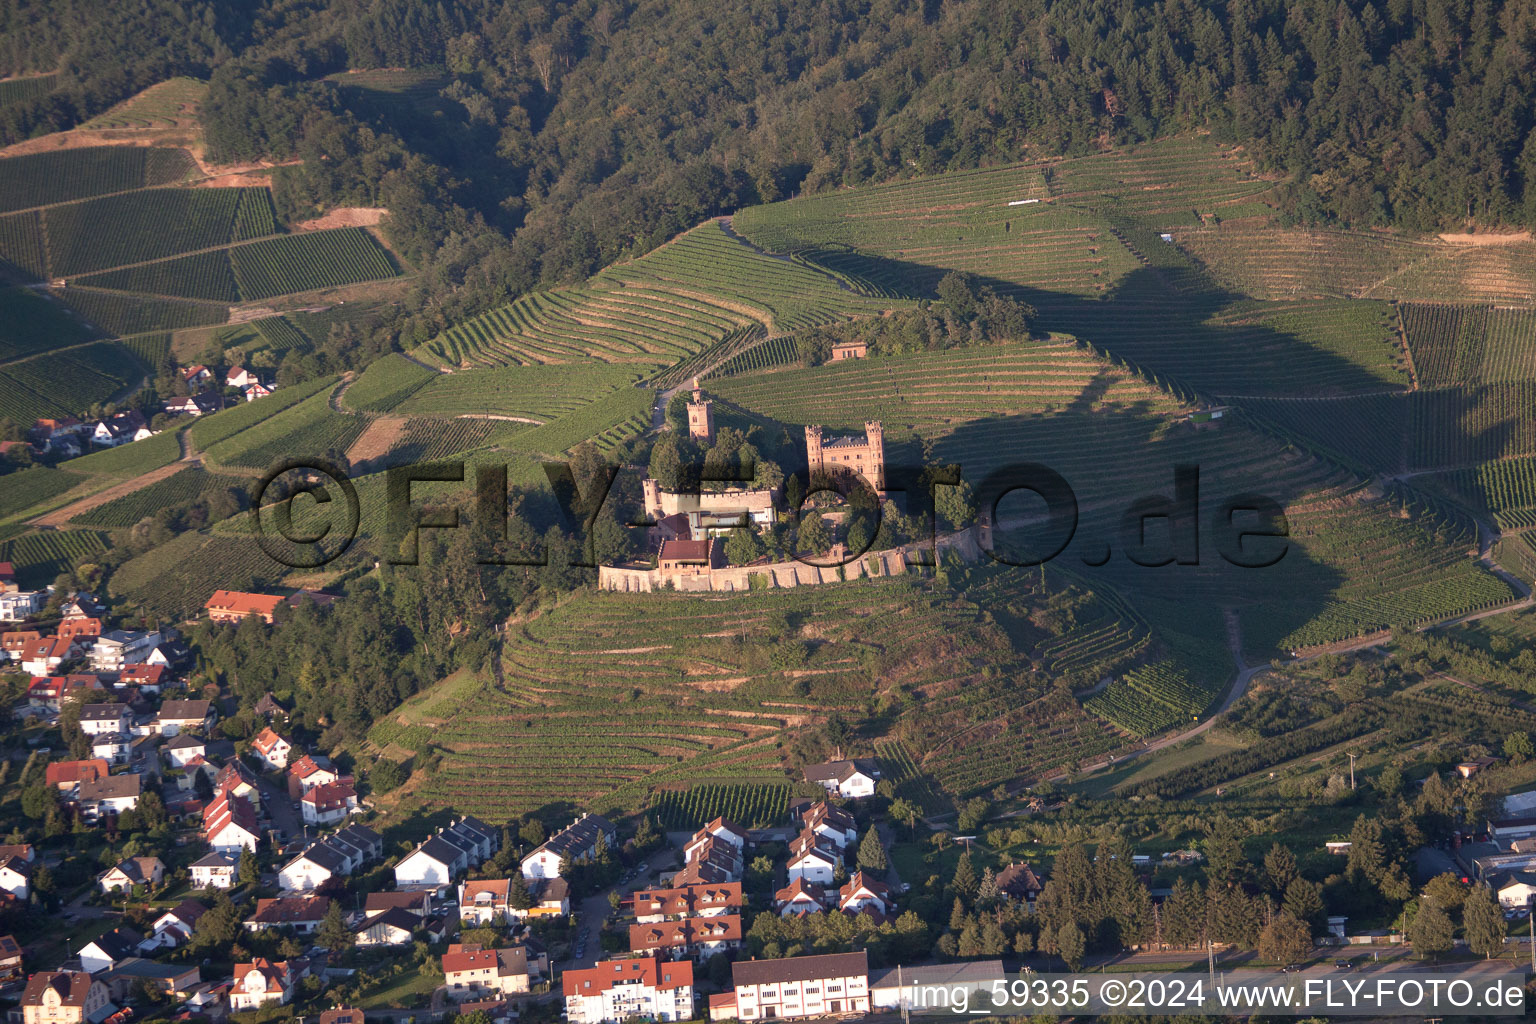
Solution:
(701, 416)
(865, 457)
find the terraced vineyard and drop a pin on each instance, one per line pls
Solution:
(1151, 698)
(669, 304)
(163, 105)
(1167, 183)
(309, 428)
(26, 488)
(1507, 489)
(608, 422)
(29, 87)
(541, 393)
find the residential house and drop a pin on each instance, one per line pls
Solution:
(66, 775)
(11, 968)
(551, 898)
(196, 375)
(20, 605)
(146, 871)
(99, 719)
(652, 905)
(1019, 883)
(393, 927)
(51, 692)
(182, 715)
(216, 870)
(194, 405)
(148, 677)
(698, 937)
(238, 782)
(229, 825)
(183, 748)
(301, 913)
(832, 823)
(814, 858)
(235, 605)
(912, 987)
(7, 578)
(272, 749)
(128, 979)
(862, 894)
(119, 648)
(169, 654)
(853, 780)
(417, 902)
(480, 973)
(46, 655)
(110, 949)
(64, 997)
(120, 429)
(114, 748)
(709, 861)
(15, 877)
(342, 1015)
(1515, 889)
(615, 991)
(486, 901)
(239, 377)
(800, 897)
(81, 629)
(111, 795)
(270, 709)
(466, 843)
(577, 840)
(251, 392)
(309, 771)
(328, 804)
(311, 869)
(261, 982)
(14, 641)
(801, 986)
(174, 927)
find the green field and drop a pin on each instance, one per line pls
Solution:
(135, 314)
(136, 227)
(178, 490)
(307, 428)
(67, 175)
(298, 263)
(209, 431)
(64, 383)
(26, 488)
(386, 383)
(541, 393)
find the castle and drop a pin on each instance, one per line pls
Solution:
(865, 457)
(701, 416)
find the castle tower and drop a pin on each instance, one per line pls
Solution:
(652, 497)
(812, 449)
(701, 416)
(874, 439)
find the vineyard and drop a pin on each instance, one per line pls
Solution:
(205, 275)
(611, 420)
(748, 805)
(301, 263)
(132, 314)
(30, 323)
(29, 487)
(309, 428)
(541, 393)
(1470, 344)
(40, 557)
(1151, 698)
(177, 577)
(1459, 426)
(179, 490)
(67, 175)
(21, 245)
(65, 382)
(1507, 489)
(773, 354)
(166, 104)
(139, 226)
(208, 431)
(31, 87)
(134, 459)
(386, 383)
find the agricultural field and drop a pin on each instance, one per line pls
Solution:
(130, 460)
(27, 488)
(26, 87)
(1506, 489)
(609, 422)
(1455, 427)
(21, 246)
(209, 276)
(208, 431)
(386, 383)
(67, 175)
(177, 577)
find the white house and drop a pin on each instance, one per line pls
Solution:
(182, 748)
(216, 870)
(120, 648)
(891, 989)
(113, 748)
(261, 982)
(433, 863)
(104, 719)
(311, 869)
(853, 780)
(180, 715)
(619, 990)
(272, 749)
(147, 871)
(229, 825)
(1515, 889)
(111, 795)
(174, 927)
(862, 893)
(109, 950)
(800, 897)
(801, 986)
(328, 804)
(16, 877)
(575, 841)
(832, 823)
(393, 927)
(239, 377)
(814, 859)
(19, 605)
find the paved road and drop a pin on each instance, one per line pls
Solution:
(280, 808)
(594, 912)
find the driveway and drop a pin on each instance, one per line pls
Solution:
(280, 808)
(594, 911)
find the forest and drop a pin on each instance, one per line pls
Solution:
(555, 138)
